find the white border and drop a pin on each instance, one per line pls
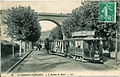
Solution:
(41, 0)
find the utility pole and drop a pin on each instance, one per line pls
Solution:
(116, 47)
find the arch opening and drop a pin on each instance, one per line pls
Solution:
(47, 24)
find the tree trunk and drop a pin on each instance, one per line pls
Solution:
(20, 51)
(13, 55)
(27, 46)
(30, 46)
(24, 47)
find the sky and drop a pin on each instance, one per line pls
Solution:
(47, 25)
(63, 6)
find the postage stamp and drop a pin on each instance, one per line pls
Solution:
(60, 38)
(106, 16)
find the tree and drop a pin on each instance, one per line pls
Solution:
(85, 18)
(82, 18)
(56, 33)
(22, 24)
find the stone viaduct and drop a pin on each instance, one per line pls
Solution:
(53, 17)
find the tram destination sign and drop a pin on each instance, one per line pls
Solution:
(83, 33)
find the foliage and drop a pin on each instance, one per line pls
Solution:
(22, 23)
(56, 33)
(85, 18)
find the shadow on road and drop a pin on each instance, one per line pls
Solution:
(47, 58)
(51, 66)
(40, 67)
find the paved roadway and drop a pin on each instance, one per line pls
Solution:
(38, 61)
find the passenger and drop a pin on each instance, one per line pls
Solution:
(66, 50)
(78, 46)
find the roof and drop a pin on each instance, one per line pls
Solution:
(86, 38)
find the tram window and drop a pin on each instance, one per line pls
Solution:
(71, 44)
(85, 45)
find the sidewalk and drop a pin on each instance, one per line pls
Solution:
(112, 62)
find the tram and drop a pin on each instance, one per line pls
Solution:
(89, 49)
(86, 48)
(59, 47)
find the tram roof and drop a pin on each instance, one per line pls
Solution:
(87, 38)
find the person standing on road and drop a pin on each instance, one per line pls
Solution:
(39, 46)
(47, 45)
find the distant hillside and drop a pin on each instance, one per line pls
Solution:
(44, 35)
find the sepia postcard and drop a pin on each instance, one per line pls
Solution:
(60, 38)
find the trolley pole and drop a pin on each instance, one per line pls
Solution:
(116, 47)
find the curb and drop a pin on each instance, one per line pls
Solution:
(18, 62)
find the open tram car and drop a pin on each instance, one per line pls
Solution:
(89, 49)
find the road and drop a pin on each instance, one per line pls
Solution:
(39, 61)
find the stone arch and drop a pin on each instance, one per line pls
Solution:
(51, 21)
(54, 21)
